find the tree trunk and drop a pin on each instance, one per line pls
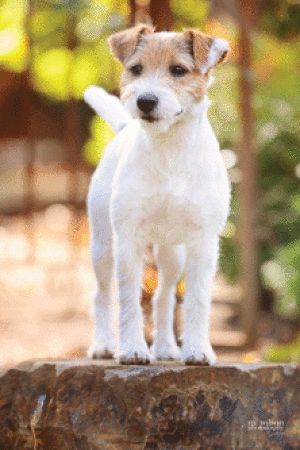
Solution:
(248, 188)
(161, 14)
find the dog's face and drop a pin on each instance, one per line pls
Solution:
(165, 73)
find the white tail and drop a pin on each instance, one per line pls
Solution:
(107, 106)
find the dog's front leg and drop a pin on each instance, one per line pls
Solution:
(200, 270)
(128, 264)
(170, 263)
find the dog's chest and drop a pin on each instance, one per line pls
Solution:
(168, 194)
(173, 205)
(169, 218)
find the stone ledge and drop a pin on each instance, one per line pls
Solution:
(87, 405)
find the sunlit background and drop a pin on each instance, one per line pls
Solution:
(50, 142)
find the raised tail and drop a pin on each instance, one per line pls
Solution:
(107, 106)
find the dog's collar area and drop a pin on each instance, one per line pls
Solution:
(149, 118)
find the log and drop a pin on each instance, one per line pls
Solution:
(97, 405)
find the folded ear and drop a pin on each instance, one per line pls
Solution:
(124, 43)
(206, 50)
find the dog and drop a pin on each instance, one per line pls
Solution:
(162, 181)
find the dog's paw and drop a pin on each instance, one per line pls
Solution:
(100, 351)
(135, 355)
(165, 352)
(202, 355)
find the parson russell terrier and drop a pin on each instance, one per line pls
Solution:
(161, 181)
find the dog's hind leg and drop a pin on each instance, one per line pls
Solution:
(170, 264)
(103, 345)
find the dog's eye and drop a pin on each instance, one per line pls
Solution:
(178, 71)
(136, 69)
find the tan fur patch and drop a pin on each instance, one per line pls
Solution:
(123, 44)
(200, 44)
(157, 52)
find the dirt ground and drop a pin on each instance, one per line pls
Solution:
(47, 284)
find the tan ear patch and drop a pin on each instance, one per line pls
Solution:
(124, 43)
(206, 50)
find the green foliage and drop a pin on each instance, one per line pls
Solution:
(51, 73)
(289, 259)
(281, 18)
(284, 353)
(68, 43)
(223, 111)
(189, 13)
(276, 104)
(278, 138)
(229, 255)
(100, 135)
(13, 46)
(60, 73)
(47, 27)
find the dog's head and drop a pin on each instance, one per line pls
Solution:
(166, 73)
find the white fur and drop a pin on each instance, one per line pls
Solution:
(218, 47)
(165, 185)
(107, 106)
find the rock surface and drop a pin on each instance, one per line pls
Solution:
(87, 405)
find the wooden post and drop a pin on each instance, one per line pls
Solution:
(29, 182)
(156, 11)
(161, 15)
(248, 188)
(139, 12)
(132, 16)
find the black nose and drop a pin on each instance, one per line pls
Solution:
(147, 102)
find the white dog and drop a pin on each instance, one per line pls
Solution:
(162, 181)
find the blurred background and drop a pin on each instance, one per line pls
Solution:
(50, 143)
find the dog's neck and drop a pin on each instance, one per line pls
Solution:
(184, 126)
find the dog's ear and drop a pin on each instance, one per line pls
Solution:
(124, 43)
(206, 50)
